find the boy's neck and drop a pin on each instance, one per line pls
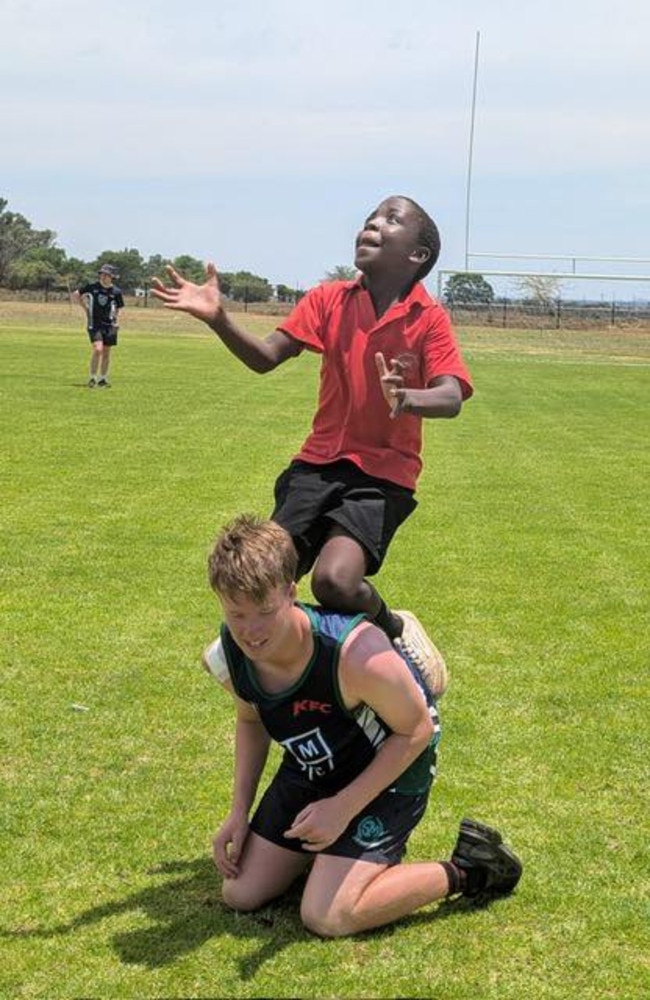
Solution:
(385, 292)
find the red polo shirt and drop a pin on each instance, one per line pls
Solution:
(352, 421)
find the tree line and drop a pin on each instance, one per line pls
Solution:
(30, 259)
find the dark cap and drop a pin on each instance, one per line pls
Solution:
(108, 269)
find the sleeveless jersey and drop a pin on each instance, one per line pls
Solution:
(326, 745)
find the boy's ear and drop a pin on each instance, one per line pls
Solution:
(420, 255)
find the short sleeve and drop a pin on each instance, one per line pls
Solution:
(442, 354)
(306, 321)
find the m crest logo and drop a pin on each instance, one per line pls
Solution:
(311, 751)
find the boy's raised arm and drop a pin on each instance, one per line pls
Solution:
(204, 303)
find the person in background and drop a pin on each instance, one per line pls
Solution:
(101, 300)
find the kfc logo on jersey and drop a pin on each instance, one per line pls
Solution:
(308, 705)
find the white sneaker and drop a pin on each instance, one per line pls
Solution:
(417, 645)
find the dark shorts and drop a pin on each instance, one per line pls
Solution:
(106, 332)
(379, 833)
(311, 499)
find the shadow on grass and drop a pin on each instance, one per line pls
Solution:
(186, 912)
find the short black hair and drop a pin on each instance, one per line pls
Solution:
(429, 235)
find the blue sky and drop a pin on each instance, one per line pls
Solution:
(259, 134)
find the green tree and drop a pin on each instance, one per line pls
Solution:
(286, 294)
(17, 237)
(40, 267)
(76, 272)
(129, 264)
(190, 267)
(248, 287)
(342, 272)
(155, 267)
(468, 289)
(226, 279)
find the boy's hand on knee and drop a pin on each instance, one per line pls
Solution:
(228, 844)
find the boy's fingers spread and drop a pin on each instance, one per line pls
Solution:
(174, 275)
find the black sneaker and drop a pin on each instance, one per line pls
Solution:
(92, 382)
(491, 867)
(103, 384)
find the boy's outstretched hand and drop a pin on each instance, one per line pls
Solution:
(202, 301)
(392, 384)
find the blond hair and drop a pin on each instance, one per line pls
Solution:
(251, 556)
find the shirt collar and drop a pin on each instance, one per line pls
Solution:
(417, 296)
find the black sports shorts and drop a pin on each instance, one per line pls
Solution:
(310, 499)
(379, 833)
(105, 332)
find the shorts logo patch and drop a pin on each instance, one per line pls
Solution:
(370, 832)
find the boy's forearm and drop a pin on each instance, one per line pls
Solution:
(438, 401)
(251, 750)
(392, 759)
(252, 351)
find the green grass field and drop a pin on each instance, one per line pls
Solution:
(528, 561)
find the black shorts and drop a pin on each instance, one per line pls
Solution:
(105, 332)
(310, 499)
(379, 833)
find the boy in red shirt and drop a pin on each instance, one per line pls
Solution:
(390, 359)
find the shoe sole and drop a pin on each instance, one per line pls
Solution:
(436, 678)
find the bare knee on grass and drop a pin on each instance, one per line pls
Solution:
(239, 895)
(266, 872)
(330, 922)
(331, 903)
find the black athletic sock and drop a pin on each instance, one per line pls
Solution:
(389, 622)
(456, 877)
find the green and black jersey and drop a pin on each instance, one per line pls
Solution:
(326, 745)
